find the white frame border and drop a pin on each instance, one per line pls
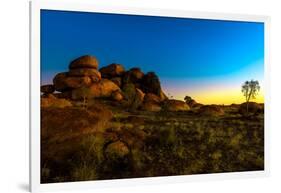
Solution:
(34, 146)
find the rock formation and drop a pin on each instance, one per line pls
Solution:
(84, 80)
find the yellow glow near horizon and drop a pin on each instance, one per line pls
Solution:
(225, 96)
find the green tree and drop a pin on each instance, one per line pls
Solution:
(250, 90)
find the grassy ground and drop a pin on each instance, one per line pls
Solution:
(108, 142)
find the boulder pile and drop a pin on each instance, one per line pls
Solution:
(84, 80)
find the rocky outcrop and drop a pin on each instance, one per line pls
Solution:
(175, 105)
(84, 79)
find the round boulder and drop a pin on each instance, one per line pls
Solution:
(63, 82)
(86, 61)
(117, 96)
(112, 70)
(176, 105)
(104, 88)
(116, 150)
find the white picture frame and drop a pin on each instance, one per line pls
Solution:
(36, 6)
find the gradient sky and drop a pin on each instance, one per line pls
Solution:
(205, 59)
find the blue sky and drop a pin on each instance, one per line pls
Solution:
(187, 54)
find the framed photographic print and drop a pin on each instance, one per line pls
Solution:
(124, 96)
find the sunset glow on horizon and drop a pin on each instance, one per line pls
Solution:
(208, 60)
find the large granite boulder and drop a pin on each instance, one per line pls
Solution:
(112, 70)
(104, 88)
(86, 61)
(63, 82)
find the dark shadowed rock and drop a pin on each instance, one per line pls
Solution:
(134, 75)
(112, 70)
(104, 88)
(151, 84)
(62, 82)
(86, 61)
(47, 89)
(175, 105)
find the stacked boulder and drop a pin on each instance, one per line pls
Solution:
(82, 72)
(135, 88)
(84, 80)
